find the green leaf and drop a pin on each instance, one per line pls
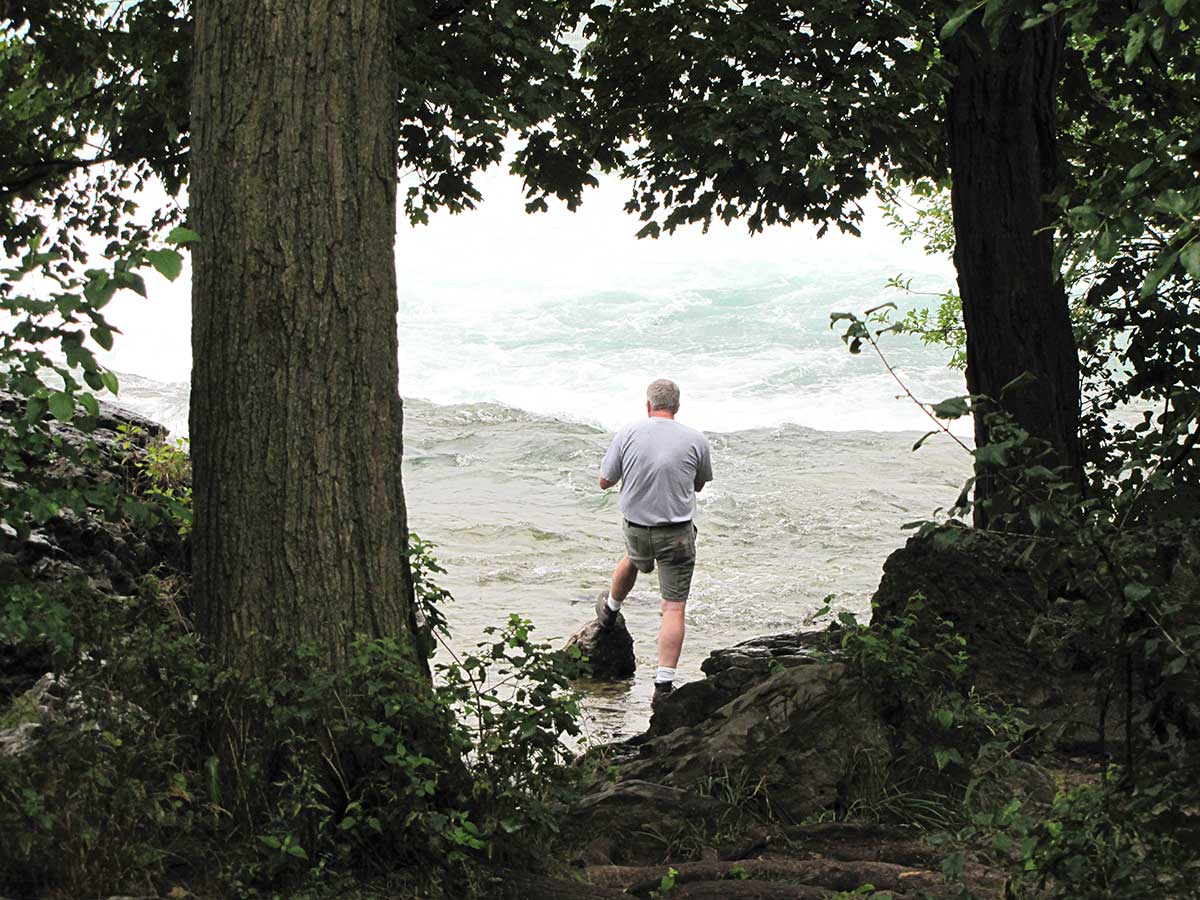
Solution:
(88, 402)
(996, 14)
(1136, 593)
(168, 263)
(1190, 257)
(926, 436)
(992, 454)
(1039, 473)
(959, 19)
(103, 336)
(134, 282)
(62, 406)
(953, 408)
(946, 757)
(1137, 40)
(35, 408)
(953, 864)
(1036, 517)
(1022, 380)
(99, 290)
(109, 379)
(1173, 6)
(1141, 168)
(181, 235)
(212, 767)
(945, 537)
(1150, 285)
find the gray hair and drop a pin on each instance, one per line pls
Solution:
(663, 394)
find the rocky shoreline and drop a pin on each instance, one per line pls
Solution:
(772, 767)
(773, 777)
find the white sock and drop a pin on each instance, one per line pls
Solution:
(665, 675)
(614, 605)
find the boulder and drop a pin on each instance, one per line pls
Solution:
(975, 583)
(72, 557)
(794, 741)
(734, 670)
(609, 651)
(634, 821)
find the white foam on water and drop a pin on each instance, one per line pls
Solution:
(568, 315)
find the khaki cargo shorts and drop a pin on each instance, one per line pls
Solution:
(672, 547)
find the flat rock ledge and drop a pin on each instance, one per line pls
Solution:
(783, 731)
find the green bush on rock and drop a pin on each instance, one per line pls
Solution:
(138, 774)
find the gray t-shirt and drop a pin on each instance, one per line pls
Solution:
(659, 463)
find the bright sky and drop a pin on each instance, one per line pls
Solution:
(499, 255)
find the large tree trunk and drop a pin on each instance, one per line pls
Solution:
(300, 528)
(1001, 124)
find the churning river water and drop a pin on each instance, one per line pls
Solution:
(512, 400)
(525, 341)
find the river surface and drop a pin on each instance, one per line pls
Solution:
(525, 342)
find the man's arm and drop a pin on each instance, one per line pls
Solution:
(704, 472)
(611, 468)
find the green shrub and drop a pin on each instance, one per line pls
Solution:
(152, 764)
(159, 475)
(946, 735)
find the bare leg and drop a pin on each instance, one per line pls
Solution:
(624, 575)
(670, 633)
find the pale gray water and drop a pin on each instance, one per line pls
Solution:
(793, 515)
(511, 500)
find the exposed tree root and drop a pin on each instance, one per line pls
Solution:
(534, 887)
(748, 890)
(826, 874)
(848, 841)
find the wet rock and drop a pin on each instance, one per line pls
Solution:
(71, 556)
(976, 584)
(636, 821)
(26, 716)
(731, 672)
(609, 650)
(796, 738)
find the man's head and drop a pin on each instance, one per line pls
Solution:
(662, 397)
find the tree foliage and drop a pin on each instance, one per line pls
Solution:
(779, 112)
(768, 111)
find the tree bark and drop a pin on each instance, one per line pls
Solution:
(299, 524)
(1001, 126)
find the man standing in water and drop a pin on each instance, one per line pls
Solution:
(661, 465)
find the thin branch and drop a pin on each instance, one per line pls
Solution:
(38, 171)
(924, 407)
